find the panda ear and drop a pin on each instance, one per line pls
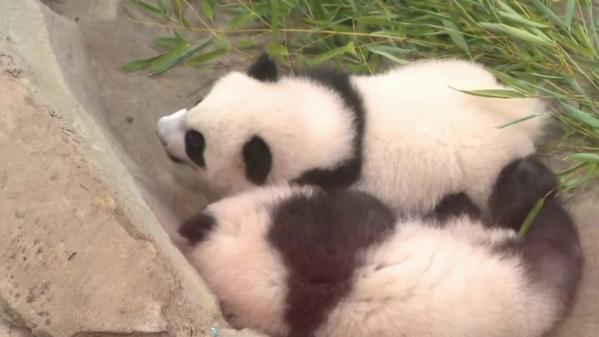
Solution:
(257, 159)
(264, 69)
(197, 227)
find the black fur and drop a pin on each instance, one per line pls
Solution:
(349, 171)
(264, 69)
(257, 159)
(318, 238)
(197, 227)
(194, 147)
(454, 205)
(551, 249)
(516, 190)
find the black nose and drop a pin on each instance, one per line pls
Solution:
(162, 141)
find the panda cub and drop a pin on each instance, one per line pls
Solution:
(294, 261)
(406, 136)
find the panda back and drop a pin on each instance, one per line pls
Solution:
(441, 282)
(424, 139)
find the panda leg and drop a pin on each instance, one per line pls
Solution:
(517, 189)
(551, 248)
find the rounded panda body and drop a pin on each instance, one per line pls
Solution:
(424, 139)
(299, 262)
(407, 136)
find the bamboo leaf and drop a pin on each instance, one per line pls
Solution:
(456, 36)
(177, 7)
(547, 11)
(174, 56)
(139, 64)
(157, 11)
(207, 9)
(208, 56)
(519, 19)
(328, 55)
(516, 121)
(530, 218)
(581, 115)
(168, 42)
(386, 52)
(586, 157)
(246, 44)
(276, 49)
(495, 93)
(570, 13)
(242, 20)
(517, 33)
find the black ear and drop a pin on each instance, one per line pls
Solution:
(264, 69)
(197, 227)
(257, 159)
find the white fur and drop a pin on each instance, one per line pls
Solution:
(422, 281)
(430, 282)
(423, 139)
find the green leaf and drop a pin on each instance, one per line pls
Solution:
(243, 20)
(207, 9)
(581, 115)
(456, 36)
(139, 64)
(519, 19)
(516, 121)
(570, 13)
(495, 93)
(328, 55)
(530, 218)
(276, 49)
(387, 52)
(205, 57)
(157, 11)
(246, 44)
(174, 56)
(517, 33)
(333, 53)
(168, 42)
(177, 7)
(547, 11)
(586, 157)
(274, 19)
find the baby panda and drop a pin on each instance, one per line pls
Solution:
(407, 136)
(295, 261)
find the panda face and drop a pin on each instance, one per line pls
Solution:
(209, 136)
(254, 128)
(230, 233)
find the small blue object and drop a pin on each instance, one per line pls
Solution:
(213, 331)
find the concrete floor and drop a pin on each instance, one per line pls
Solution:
(132, 103)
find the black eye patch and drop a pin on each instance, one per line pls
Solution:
(194, 147)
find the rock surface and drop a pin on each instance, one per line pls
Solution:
(87, 197)
(81, 252)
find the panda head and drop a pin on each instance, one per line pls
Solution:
(247, 246)
(256, 127)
